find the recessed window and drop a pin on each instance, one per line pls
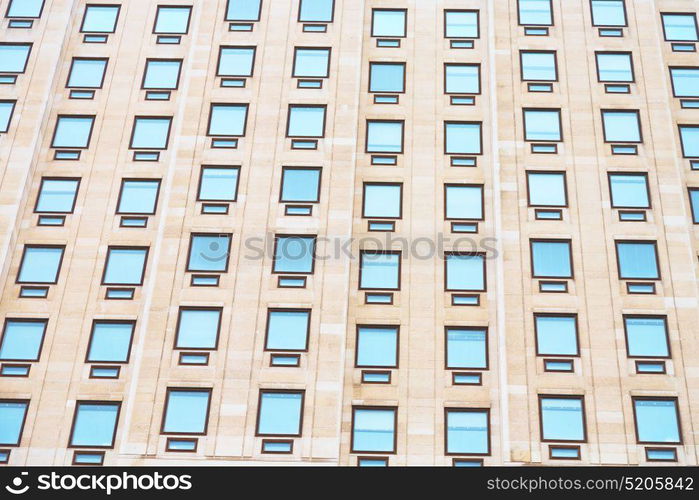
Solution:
(40, 264)
(110, 341)
(689, 136)
(22, 339)
(465, 272)
(162, 74)
(186, 411)
(629, 190)
(467, 348)
(547, 189)
(551, 259)
(100, 19)
(463, 202)
(614, 67)
(95, 424)
(287, 329)
(27, 9)
(374, 429)
(387, 77)
(657, 420)
(294, 254)
(379, 270)
(236, 61)
(172, 20)
(12, 415)
(209, 252)
(280, 413)
(462, 78)
(685, 82)
(138, 196)
(73, 132)
(538, 66)
(694, 202)
(646, 336)
(87, 73)
(542, 125)
(461, 24)
(382, 201)
(621, 126)
(125, 266)
(556, 335)
(218, 183)
(316, 11)
(468, 431)
(377, 347)
(384, 136)
(463, 138)
(300, 185)
(311, 62)
(637, 260)
(388, 23)
(562, 418)
(243, 10)
(198, 328)
(306, 121)
(228, 120)
(535, 12)
(151, 132)
(680, 27)
(57, 195)
(14, 57)
(608, 13)
(7, 109)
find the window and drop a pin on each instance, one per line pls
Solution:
(209, 252)
(377, 347)
(538, 66)
(7, 109)
(608, 13)
(386, 77)
(22, 339)
(94, 424)
(556, 335)
(294, 254)
(646, 336)
(629, 190)
(300, 184)
(637, 260)
(14, 57)
(468, 431)
(172, 20)
(374, 429)
(685, 82)
(680, 27)
(616, 67)
(694, 202)
(100, 19)
(547, 189)
(542, 125)
(57, 195)
(87, 73)
(40, 264)
(535, 12)
(382, 201)
(689, 137)
(198, 328)
(110, 341)
(236, 61)
(551, 259)
(463, 202)
(311, 62)
(280, 413)
(463, 138)
(621, 126)
(73, 132)
(162, 74)
(13, 413)
(462, 78)
(306, 121)
(25, 8)
(138, 196)
(384, 136)
(388, 23)
(562, 418)
(125, 266)
(657, 420)
(151, 132)
(461, 24)
(186, 411)
(467, 348)
(287, 329)
(465, 272)
(228, 120)
(316, 11)
(379, 270)
(218, 184)
(243, 10)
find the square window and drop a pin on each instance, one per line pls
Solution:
(615, 67)
(562, 418)
(689, 137)
(384, 136)
(388, 23)
(535, 12)
(646, 336)
(87, 73)
(463, 138)
(538, 66)
(379, 270)
(228, 120)
(461, 24)
(316, 11)
(468, 431)
(57, 195)
(138, 196)
(374, 429)
(547, 189)
(198, 328)
(151, 132)
(110, 341)
(467, 348)
(621, 126)
(387, 77)
(236, 61)
(40, 264)
(13, 414)
(94, 424)
(629, 190)
(377, 347)
(287, 329)
(637, 260)
(551, 259)
(608, 13)
(218, 183)
(657, 420)
(186, 411)
(27, 9)
(680, 27)
(125, 266)
(243, 10)
(294, 254)
(73, 132)
(172, 20)
(694, 202)
(463, 202)
(7, 109)
(382, 201)
(462, 78)
(465, 272)
(685, 82)
(280, 413)
(306, 121)
(556, 335)
(300, 184)
(100, 19)
(311, 62)
(22, 339)
(542, 125)
(209, 253)
(14, 57)
(162, 74)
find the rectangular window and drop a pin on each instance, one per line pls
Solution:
(646, 337)
(542, 125)
(463, 138)
(14, 57)
(94, 424)
(374, 429)
(689, 137)
(57, 195)
(22, 339)
(306, 121)
(162, 74)
(377, 347)
(608, 13)
(657, 420)
(694, 202)
(637, 260)
(467, 348)
(461, 24)
(547, 189)
(386, 77)
(468, 431)
(680, 27)
(384, 136)
(236, 61)
(311, 62)
(138, 196)
(316, 11)
(629, 190)
(538, 66)
(25, 9)
(280, 413)
(465, 272)
(228, 120)
(556, 335)
(382, 201)
(172, 20)
(462, 78)
(615, 67)
(209, 253)
(551, 259)
(463, 202)
(685, 82)
(243, 10)
(186, 411)
(151, 132)
(40, 264)
(300, 184)
(125, 266)
(287, 329)
(218, 183)
(7, 109)
(388, 23)
(110, 341)
(198, 328)
(73, 132)
(294, 254)
(379, 270)
(87, 73)
(535, 12)
(562, 418)
(13, 414)
(621, 126)
(100, 19)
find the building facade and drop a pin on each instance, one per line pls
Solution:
(367, 232)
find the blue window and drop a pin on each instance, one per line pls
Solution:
(374, 429)
(25, 8)
(685, 82)
(218, 183)
(467, 348)
(100, 19)
(614, 67)
(7, 109)
(468, 432)
(463, 138)
(228, 120)
(538, 66)
(657, 420)
(461, 24)
(382, 201)
(551, 259)
(311, 62)
(14, 57)
(629, 190)
(608, 13)
(694, 201)
(464, 202)
(379, 270)
(294, 254)
(462, 79)
(465, 272)
(162, 74)
(172, 20)
(198, 328)
(384, 136)
(73, 132)
(680, 27)
(621, 126)
(542, 125)
(236, 61)
(280, 413)
(689, 136)
(300, 184)
(388, 23)
(138, 196)
(22, 339)
(95, 424)
(40, 264)
(243, 10)
(535, 12)
(209, 252)
(646, 336)
(556, 335)
(125, 266)
(57, 195)
(547, 189)
(306, 121)
(387, 77)
(562, 418)
(637, 260)
(151, 132)
(186, 411)
(287, 329)
(87, 73)
(12, 416)
(377, 347)
(316, 11)
(110, 341)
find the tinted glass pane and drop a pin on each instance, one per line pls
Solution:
(546, 189)
(377, 347)
(465, 272)
(22, 340)
(539, 66)
(464, 202)
(535, 12)
(94, 424)
(6, 110)
(87, 73)
(294, 254)
(162, 74)
(386, 77)
(306, 121)
(125, 266)
(629, 191)
(287, 330)
(236, 61)
(151, 133)
(463, 138)
(551, 259)
(12, 415)
(40, 265)
(384, 137)
(173, 20)
(542, 125)
(382, 200)
(614, 67)
(13, 57)
(621, 126)
(379, 271)
(685, 81)
(100, 19)
(562, 419)
(462, 79)
(300, 184)
(186, 412)
(694, 199)
(218, 184)
(73, 132)
(690, 141)
(556, 336)
(461, 24)
(466, 348)
(656, 421)
(198, 328)
(680, 27)
(373, 430)
(467, 432)
(25, 8)
(110, 342)
(209, 252)
(608, 13)
(243, 10)
(228, 120)
(57, 195)
(311, 63)
(637, 261)
(280, 414)
(646, 337)
(388, 23)
(138, 197)
(316, 11)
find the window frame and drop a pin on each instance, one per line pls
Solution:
(467, 329)
(26, 403)
(532, 241)
(163, 60)
(631, 65)
(252, 63)
(9, 117)
(400, 200)
(647, 316)
(626, 17)
(637, 112)
(547, 172)
(448, 185)
(618, 259)
(149, 117)
(465, 253)
(228, 104)
(76, 410)
(532, 51)
(382, 327)
(280, 391)
(478, 24)
(194, 235)
(394, 409)
(576, 323)
(277, 236)
(116, 19)
(458, 64)
(125, 247)
(583, 412)
(693, 209)
(329, 51)
(51, 178)
(450, 409)
(272, 310)
(519, 16)
(629, 174)
(9, 6)
(95, 322)
(682, 145)
(228, 7)
(324, 107)
(41, 283)
(178, 325)
(40, 348)
(71, 147)
(381, 252)
(26, 61)
(672, 80)
(387, 63)
(72, 64)
(281, 185)
(124, 180)
(677, 416)
(237, 168)
(405, 22)
(157, 14)
(463, 122)
(402, 138)
(662, 22)
(332, 15)
(169, 390)
(547, 110)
